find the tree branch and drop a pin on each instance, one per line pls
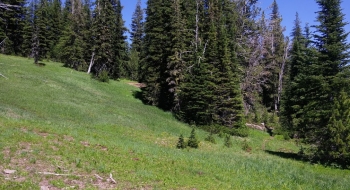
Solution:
(8, 6)
(3, 76)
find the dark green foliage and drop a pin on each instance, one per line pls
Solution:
(193, 142)
(130, 70)
(108, 38)
(73, 46)
(241, 132)
(316, 99)
(273, 61)
(329, 75)
(335, 146)
(137, 28)
(28, 30)
(289, 102)
(155, 52)
(41, 23)
(228, 141)
(210, 93)
(181, 142)
(55, 26)
(11, 27)
(136, 36)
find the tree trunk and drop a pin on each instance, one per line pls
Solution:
(91, 62)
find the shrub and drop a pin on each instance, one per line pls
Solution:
(228, 141)
(192, 140)
(210, 138)
(279, 137)
(240, 132)
(181, 142)
(103, 76)
(221, 134)
(245, 146)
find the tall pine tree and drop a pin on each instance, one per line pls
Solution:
(330, 79)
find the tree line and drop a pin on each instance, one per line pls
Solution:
(216, 64)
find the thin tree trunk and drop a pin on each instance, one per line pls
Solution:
(91, 62)
(281, 74)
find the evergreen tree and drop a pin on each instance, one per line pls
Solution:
(229, 103)
(329, 75)
(155, 53)
(335, 145)
(40, 38)
(108, 38)
(119, 40)
(192, 140)
(55, 26)
(136, 35)
(102, 29)
(137, 28)
(175, 62)
(71, 47)
(211, 92)
(294, 98)
(181, 143)
(28, 30)
(228, 141)
(196, 93)
(273, 60)
(11, 26)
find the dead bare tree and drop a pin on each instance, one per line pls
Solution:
(8, 6)
(286, 49)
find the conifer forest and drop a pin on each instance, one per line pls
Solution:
(214, 64)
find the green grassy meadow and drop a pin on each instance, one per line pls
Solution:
(63, 130)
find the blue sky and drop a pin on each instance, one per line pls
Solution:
(287, 8)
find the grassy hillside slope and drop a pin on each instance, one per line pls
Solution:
(61, 129)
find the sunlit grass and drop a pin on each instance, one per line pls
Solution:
(54, 119)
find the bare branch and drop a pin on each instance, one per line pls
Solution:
(3, 76)
(55, 174)
(8, 6)
(111, 177)
(98, 177)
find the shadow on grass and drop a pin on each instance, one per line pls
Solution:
(39, 64)
(138, 95)
(288, 155)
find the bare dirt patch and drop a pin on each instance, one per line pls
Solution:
(136, 84)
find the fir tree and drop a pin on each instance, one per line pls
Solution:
(136, 36)
(109, 48)
(175, 62)
(273, 60)
(137, 28)
(155, 53)
(335, 145)
(228, 141)
(119, 41)
(329, 75)
(11, 26)
(294, 99)
(28, 30)
(197, 89)
(192, 140)
(40, 37)
(71, 47)
(54, 26)
(181, 142)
